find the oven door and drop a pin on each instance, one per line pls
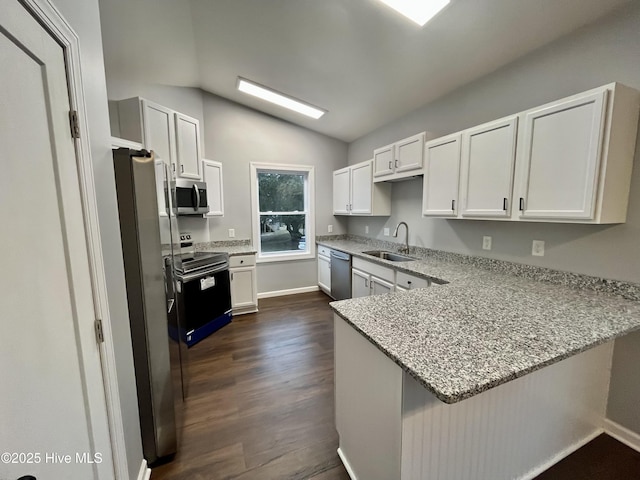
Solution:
(206, 297)
(191, 198)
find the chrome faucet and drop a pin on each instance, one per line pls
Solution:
(404, 249)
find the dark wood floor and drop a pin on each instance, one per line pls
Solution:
(260, 402)
(260, 405)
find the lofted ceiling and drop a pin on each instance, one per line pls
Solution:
(358, 59)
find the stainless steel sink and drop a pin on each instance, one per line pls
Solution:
(391, 256)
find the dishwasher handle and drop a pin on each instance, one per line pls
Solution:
(340, 255)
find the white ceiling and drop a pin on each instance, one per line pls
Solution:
(357, 59)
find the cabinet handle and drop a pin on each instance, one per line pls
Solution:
(241, 261)
(181, 168)
(232, 276)
(351, 207)
(366, 283)
(389, 164)
(396, 164)
(453, 204)
(521, 204)
(504, 204)
(173, 167)
(347, 207)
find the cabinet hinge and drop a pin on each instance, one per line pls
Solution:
(99, 334)
(74, 124)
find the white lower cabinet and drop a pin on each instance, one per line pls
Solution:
(406, 281)
(369, 278)
(360, 286)
(379, 286)
(324, 273)
(244, 285)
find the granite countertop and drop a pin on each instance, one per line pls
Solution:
(233, 248)
(485, 327)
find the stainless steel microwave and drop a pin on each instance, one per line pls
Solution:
(191, 197)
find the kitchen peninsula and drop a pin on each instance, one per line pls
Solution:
(496, 374)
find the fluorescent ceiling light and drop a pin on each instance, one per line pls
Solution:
(278, 98)
(420, 11)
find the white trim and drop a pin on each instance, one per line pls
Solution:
(346, 464)
(145, 471)
(309, 211)
(55, 23)
(532, 474)
(628, 437)
(289, 291)
(117, 142)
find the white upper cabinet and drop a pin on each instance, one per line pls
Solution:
(188, 146)
(402, 159)
(488, 158)
(354, 192)
(576, 157)
(173, 137)
(342, 191)
(212, 176)
(441, 176)
(160, 187)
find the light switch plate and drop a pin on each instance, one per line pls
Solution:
(486, 242)
(386, 232)
(330, 228)
(232, 232)
(537, 248)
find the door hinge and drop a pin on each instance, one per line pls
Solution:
(74, 124)
(99, 334)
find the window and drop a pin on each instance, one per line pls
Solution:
(282, 208)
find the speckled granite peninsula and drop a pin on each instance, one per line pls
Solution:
(485, 325)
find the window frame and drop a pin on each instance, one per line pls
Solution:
(309, 172)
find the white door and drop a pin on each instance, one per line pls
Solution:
(488, 157)
(379, 286)
(243, 287)
(561, 159)
(384, 161)
(441, 177)
(361, 189)
(159, 132)
(410, 153)
(212, 176)
(52, 388)
(324, 273)
(341, 191)
(188, 146)
(359, 284)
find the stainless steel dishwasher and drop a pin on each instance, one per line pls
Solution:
(340, 275)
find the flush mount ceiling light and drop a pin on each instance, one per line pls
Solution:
(272, 96)
(420, 11)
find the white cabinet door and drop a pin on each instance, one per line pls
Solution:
(243, 287)
(359, 284)
(384, 160)
(488, 157)
(160, 187)
(324, 273)
(212, 176)
(561, 159)
(159, 131)
(409, 153)
(188, 146)
(441, 176)
(379, 286)
(361, 188)
(341, 191)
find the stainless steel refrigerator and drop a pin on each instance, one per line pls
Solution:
(149, 240)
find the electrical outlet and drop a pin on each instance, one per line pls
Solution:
(486, 242)
(537, 249)
(366, 229)
(386, 232)
(330, 228)
(232, 232)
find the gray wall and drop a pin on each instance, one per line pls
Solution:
(237, 136)
(604, 52)
(84, 18)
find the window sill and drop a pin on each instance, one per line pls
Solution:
(287, 257)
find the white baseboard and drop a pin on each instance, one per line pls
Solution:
(563, 454)
(347, 467)
(290, 291)
(622, 434)
(145, 471)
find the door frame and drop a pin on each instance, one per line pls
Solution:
(52, 20)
